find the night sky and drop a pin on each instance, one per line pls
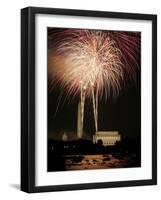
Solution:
(122, 114)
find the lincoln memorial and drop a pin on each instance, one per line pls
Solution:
(109, 138)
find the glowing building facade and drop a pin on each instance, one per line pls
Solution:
(108, 138)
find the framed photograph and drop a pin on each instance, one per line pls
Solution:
(88, 99)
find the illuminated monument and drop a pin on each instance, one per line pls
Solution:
(79, 122)
(109, 138)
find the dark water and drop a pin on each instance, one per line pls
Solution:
(99, 161)
(83, 154)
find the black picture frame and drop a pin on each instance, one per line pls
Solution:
(28, 98)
